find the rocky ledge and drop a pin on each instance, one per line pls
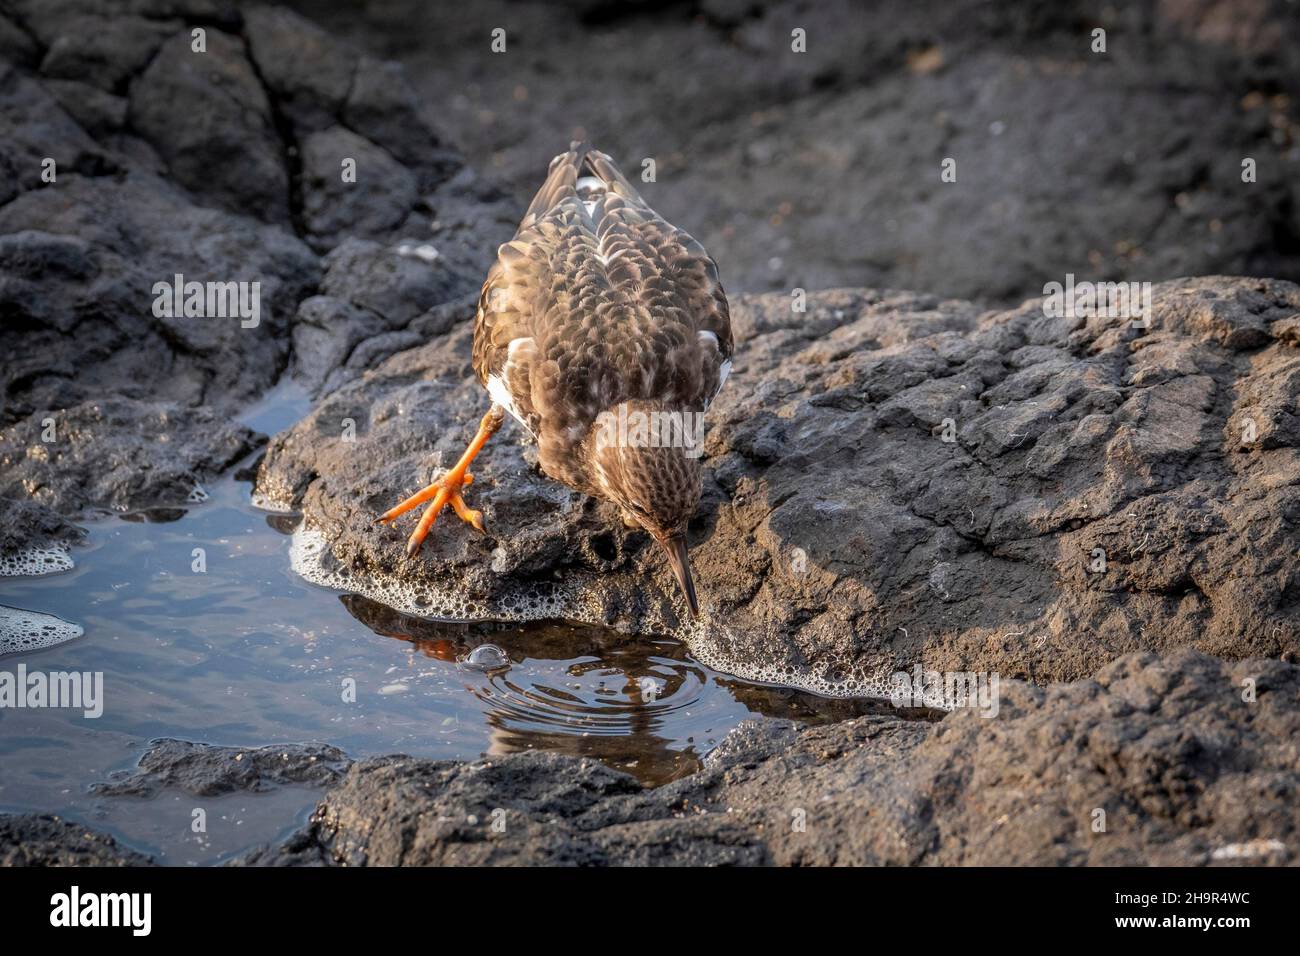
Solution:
(891, 478)
(193, 142)
(1154, 761)
(1181, 760)
(1103, 515)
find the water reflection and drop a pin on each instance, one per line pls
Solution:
(571, 688)
(637, 703)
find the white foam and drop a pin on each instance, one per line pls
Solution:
(1252, 850)
(264, 502)
(310, 558)
(711, 642)
(35, 561)
(22, 630)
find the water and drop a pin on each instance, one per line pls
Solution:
(245, 653)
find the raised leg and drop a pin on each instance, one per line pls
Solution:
(446, 490)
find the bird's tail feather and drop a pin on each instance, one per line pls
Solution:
(561, 181)
(611, 175)
(567, 169)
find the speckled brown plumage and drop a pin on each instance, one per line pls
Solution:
(607, 306)
(599, 310)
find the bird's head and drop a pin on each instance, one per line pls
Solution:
(645, 459)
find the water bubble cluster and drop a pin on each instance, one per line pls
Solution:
(265, 502)
(22, 630)
(711, 641)
(35, 561)
(309, 553)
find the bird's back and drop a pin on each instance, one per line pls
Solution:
(597, 301)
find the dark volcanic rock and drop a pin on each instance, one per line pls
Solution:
(822, 169)
(97, 112)
(25, 525)
(1154, 762)
(373, 202)
(1104, 489)
(382, 107)
(209, 118)
(33, 129)
(78, 266)
(318, 82)
(395, 286)
(377, 300)
(104, 51)
(41, 840)
(15, 43)
(308, 71)
(119, 454)
(174, 162)
(204, 770)
(139, 401)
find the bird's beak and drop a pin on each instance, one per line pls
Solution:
(680, 560)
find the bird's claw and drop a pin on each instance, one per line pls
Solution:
(444, 491)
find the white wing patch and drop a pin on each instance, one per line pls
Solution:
(498, 386)
(723, 370)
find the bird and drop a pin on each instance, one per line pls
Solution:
(604, 330)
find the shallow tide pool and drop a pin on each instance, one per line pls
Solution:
(245, 653)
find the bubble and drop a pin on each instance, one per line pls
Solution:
(486, 657)
(22, 630)
(35, 561)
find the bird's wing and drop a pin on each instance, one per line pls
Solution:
(515, 291)
(599, 300)
(671, 269)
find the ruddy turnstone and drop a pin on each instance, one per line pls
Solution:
(603, 329)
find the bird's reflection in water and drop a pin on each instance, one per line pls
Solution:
(639, 704)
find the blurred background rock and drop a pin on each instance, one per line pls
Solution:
(823, 169)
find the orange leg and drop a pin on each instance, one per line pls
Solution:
(446, 490)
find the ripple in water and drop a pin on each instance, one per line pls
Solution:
(638, 704)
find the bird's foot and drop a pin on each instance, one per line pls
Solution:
(445, 491)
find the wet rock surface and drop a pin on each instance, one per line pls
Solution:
(892, 478)
(204, 770)
(25, 525)
(32, 839)
(120, 454)
(1152, 762)
(1184, 760)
